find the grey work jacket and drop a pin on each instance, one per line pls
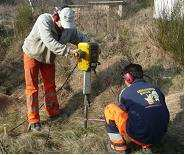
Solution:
(44, 41)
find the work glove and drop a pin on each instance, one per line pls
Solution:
(73, 51)
(78, 53)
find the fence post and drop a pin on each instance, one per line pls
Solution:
(108, 19)
(120, 10)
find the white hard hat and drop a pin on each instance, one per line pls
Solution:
(67, 18)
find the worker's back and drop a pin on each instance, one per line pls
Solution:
(36, 45)
(148, 115)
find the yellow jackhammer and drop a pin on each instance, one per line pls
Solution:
(87, 63)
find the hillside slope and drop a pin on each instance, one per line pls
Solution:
(67, 135)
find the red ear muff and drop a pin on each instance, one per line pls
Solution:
(129, 78)
(56, 17)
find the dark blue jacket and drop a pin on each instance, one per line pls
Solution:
(148, 116)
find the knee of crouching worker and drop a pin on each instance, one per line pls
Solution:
(108, 111)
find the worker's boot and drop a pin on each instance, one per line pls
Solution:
(118, 148)
(146, 150)
(34, 127)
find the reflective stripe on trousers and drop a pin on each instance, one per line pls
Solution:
(118, 116)
(32, 68)
(116, 126)
(52, 106)
(32, 108)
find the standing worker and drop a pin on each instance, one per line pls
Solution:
(141, 116)
(49, 37)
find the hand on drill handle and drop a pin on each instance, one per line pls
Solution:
(74, 51)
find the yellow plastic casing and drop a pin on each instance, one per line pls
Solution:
(84, 63)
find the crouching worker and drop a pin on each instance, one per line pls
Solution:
(49, 37)
(141, 116)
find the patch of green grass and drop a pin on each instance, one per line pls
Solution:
(9, 2)
(133, 7)
(145, 3)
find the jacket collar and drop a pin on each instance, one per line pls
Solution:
(138, 80)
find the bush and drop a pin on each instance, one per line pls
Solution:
(145, 3)
(24, 20)
(169, 34)
(11, 73)
(11, 2)
(5, 40)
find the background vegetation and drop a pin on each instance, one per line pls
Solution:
(169, 34)
(136, 37)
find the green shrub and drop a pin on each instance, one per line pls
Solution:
(145, 3)
(11, 2)
(11, 73)
(169, 34)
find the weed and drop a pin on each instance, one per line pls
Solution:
(10, 2)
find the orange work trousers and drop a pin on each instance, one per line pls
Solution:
(32, 68)
(114, 113)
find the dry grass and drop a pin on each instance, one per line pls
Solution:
(67, 135)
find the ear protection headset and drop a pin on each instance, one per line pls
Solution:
(55, 15)
(129, 78)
